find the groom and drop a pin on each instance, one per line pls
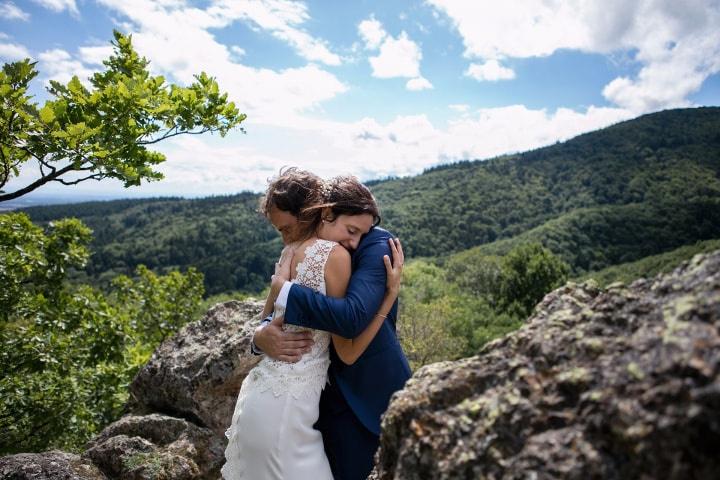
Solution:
(356, 395)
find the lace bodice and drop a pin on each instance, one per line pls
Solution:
(309, 375)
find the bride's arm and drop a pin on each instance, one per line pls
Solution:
(349, 350)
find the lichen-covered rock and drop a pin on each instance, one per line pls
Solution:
(52, 465)
(156, 446)
(614, 384)
(197, 373)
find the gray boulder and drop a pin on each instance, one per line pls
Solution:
(156, 446)
(599, 384)
(197, 373)
(52, 465)
(181, 404)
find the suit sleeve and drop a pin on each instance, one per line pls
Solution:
(348, 316)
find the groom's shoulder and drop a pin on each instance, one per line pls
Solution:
(378, 233)
(374, 241)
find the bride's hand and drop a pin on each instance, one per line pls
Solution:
(394, 268)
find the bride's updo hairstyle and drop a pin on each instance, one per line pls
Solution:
(345, 195)
(293, 191)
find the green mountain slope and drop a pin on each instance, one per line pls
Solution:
(637, 188)
(224, 237)
(591, 239)
(653, 265)
(453, 208)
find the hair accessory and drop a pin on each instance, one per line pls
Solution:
(326, 189)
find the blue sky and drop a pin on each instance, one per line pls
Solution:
(380, 88)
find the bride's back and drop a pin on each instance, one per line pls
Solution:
(308, 264)
(310, 373)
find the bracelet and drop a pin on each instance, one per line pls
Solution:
(380, 315)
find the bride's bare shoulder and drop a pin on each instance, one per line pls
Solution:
(338, 262)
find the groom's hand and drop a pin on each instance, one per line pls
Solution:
(282, 345)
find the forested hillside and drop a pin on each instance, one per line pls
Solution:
(655, 160)
(224, 237)
(635, 189)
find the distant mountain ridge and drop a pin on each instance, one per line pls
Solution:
(634, 189)
(473, 203)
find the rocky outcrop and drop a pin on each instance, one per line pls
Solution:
(142, 446)
(197, 373)
(599, 384)
(181, 404)
(54, 465)
(614, 384)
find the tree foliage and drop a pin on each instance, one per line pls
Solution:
(104, 131)
(529, 272)
(69, 351)
(452, 312)
(158, 305)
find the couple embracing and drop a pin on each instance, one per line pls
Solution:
(310, 410)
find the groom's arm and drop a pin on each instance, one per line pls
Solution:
(348, 316)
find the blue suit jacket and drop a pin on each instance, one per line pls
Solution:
(382, 369)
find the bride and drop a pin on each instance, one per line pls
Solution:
(271, 435)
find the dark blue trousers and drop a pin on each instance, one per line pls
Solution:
(350, 447)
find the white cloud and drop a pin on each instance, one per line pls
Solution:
(238, 51)
(397, 58)
(677, 43)
(96, 55)
(409, 144)
(372, 33)
(10, 11)
(59, 65)
(13, 51)
(494, 131)
(59, 5)
(282, 19)
(459, 107)
(490, 71)
(178, 43)
(419, 83)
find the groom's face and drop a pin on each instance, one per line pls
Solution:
(285, 223)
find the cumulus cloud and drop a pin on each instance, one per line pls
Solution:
(490, 71)
(459, 107)
(372, 33)
(57, 64)
(59, 5)
(10, 11)
(238, 51)
(677, 44)
(282, 19)
(95, 55)
(397, 57)
(494, 131)
(411, 143)
(178, 43)
(418, 83)
(11, 52)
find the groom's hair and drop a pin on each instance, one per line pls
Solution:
(293, 191)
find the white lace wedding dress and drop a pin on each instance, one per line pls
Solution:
(271, 435)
